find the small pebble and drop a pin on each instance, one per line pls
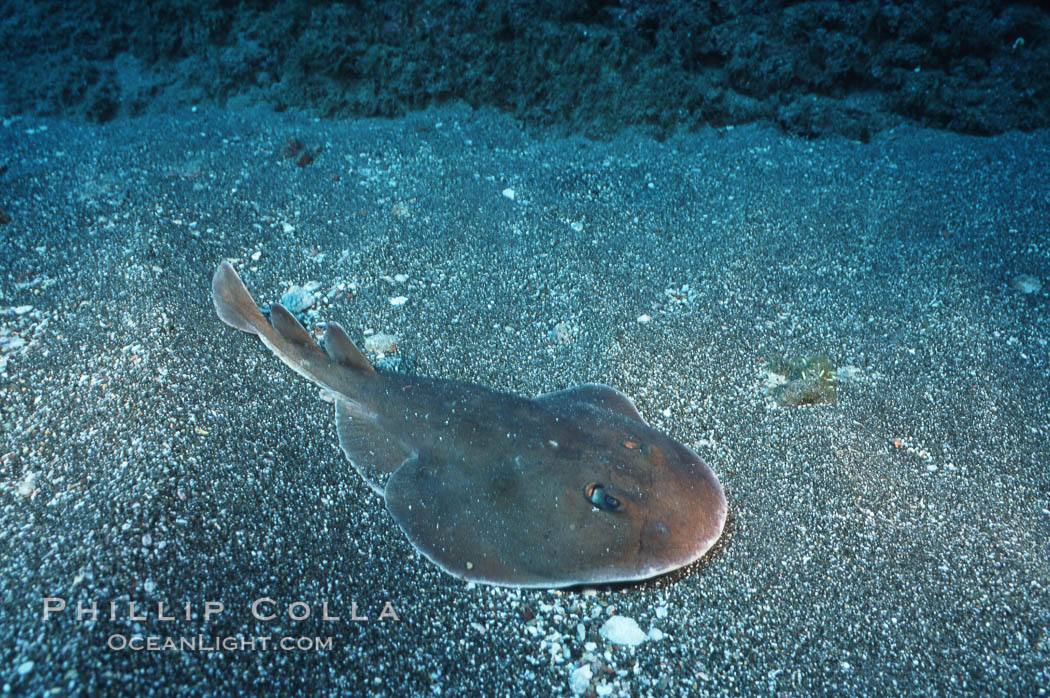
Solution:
(580, 679)
(27, 486)
(509, 193)
(381, 343)
(297, 299)
(398, 300)
(11, 342)
(847, 373)
(564, 332)
(621, 630)
(1026, 283)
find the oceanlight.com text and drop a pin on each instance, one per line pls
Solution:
(207, 643)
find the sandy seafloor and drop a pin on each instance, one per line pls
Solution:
(894, 542)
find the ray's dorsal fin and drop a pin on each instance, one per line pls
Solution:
(290, 330)
(590, 396)
(343, 350)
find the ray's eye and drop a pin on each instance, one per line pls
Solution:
(597, 496)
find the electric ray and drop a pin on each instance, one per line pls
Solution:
(568, 488)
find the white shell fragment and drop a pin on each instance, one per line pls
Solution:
(621, 630)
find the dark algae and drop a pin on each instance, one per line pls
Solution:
(853, 69)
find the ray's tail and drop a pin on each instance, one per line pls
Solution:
(286, 338)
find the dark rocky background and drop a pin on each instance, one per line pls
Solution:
(814, 68)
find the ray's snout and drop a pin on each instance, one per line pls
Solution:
(690, 509)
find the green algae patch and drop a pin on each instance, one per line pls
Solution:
(802, 381)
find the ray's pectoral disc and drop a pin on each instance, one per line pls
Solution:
(568, 488)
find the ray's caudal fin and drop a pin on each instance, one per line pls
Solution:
(233, 303)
